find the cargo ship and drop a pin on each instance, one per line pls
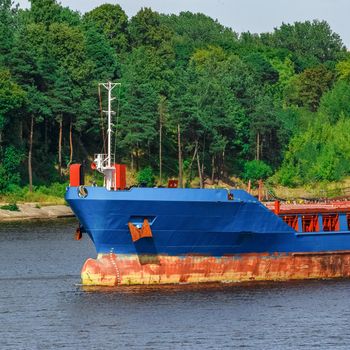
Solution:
(184, 235)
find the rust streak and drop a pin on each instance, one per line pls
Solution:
(195, 269)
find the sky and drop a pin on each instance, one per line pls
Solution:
(256, 16)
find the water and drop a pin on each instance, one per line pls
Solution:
(42, 305)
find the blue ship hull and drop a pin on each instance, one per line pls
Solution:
(194, 222)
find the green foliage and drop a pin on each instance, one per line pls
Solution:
(111, 21)
(12, 97)
(43, 194)
(8, 13)
(139, 102)
(306, 88)
(55, 189)
(335, 103)
(67, 48)
(9, 168)
(255, 170)
(232, 97)
(284, 68)
(10, 207)
(321, 153)
(145, 177)
(146, 29)
(343, 69)
(309, 42)
(262, 68)
(102, 56)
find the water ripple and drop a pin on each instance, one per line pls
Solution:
(42, 305)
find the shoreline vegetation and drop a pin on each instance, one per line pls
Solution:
(35, 211)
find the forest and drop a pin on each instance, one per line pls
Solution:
(196, 98)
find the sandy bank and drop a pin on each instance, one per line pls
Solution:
(29, 211)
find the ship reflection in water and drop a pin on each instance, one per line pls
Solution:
(42, 305)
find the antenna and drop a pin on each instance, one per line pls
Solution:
(104, 163)
(109, 87)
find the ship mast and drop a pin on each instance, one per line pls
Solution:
(105, 162)
(109, 87)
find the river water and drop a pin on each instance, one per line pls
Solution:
(42, 305)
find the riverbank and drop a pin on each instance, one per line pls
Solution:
(35, 211)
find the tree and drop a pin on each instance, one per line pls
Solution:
(335, 103)
(102, 56)
(193, 91)
(8, 15)
(163, 114)
(307, 88)
(111, 21)
(265, 131)
(68, 50)
(183, 123)
(310, 42)
(45, 11)
(320, 153)
(25, 60)
(220, 110)
(343, 69)
(139, 105)
(146, 29)
(255, 170)
(262, 68)
(12, 97)
(194, 31)
(11, 159)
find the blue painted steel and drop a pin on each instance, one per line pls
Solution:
(343, 222)
(192, 221)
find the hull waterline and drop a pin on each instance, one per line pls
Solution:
(114, 270)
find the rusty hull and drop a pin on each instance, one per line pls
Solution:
(113, 270)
